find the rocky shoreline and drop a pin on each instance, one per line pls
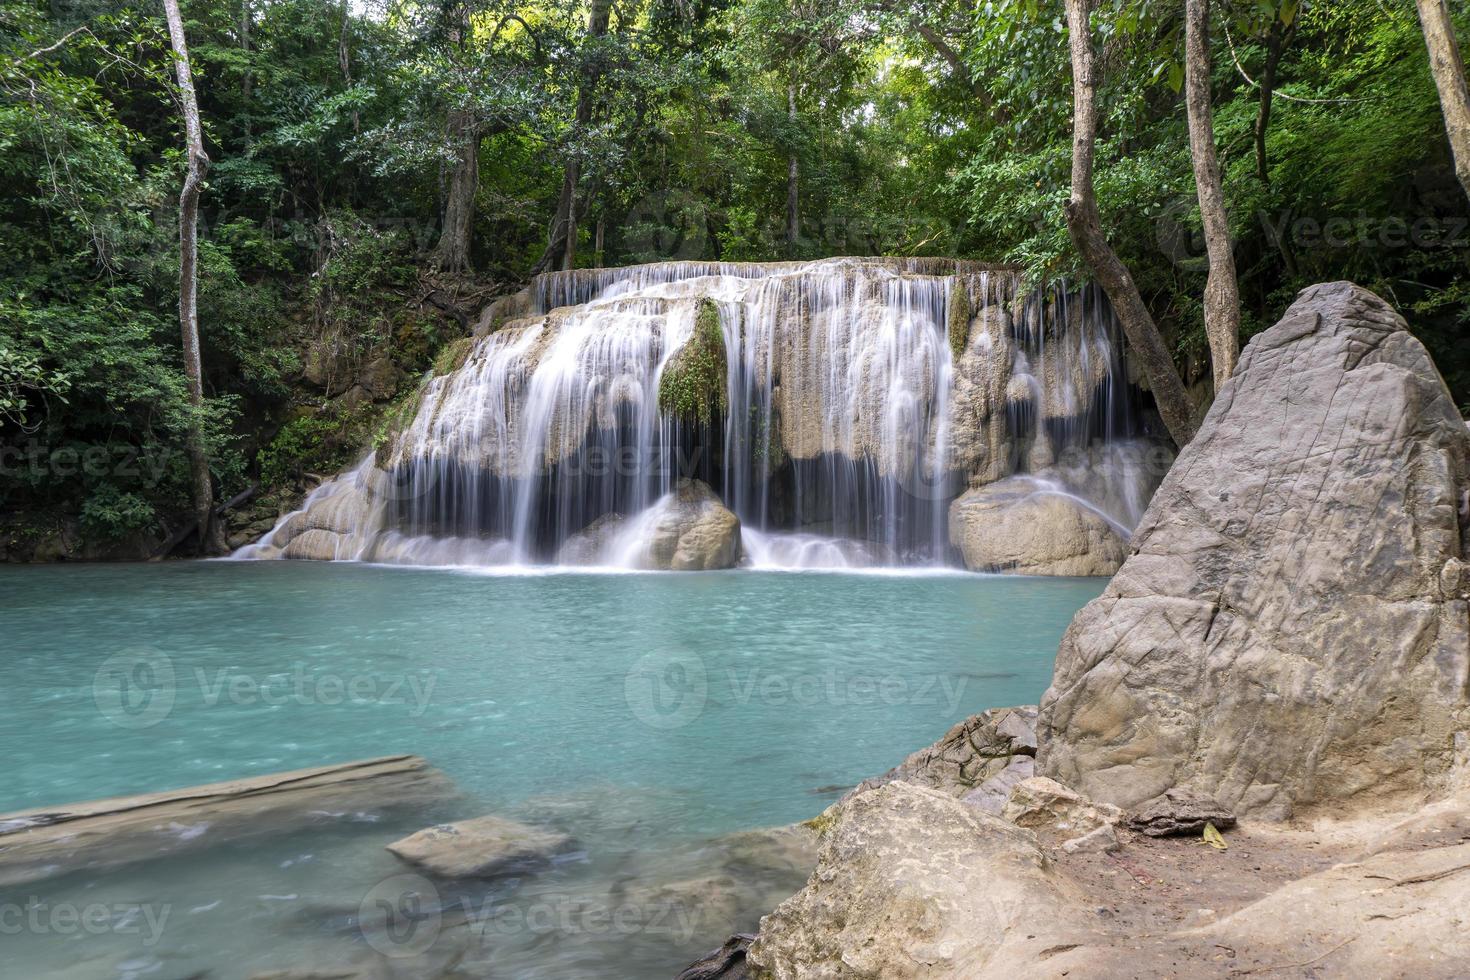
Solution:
(1288, 643)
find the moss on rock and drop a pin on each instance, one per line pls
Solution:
(692, 387)
(452, 356)
(959, 318)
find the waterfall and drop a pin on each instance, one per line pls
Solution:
(860, 398)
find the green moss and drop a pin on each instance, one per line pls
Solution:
(451, 356)
(766, 439)
(959, 318)
(692, 387)
(822, 822)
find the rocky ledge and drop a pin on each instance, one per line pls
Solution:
(1286, 643)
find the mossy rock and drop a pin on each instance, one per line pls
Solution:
(959, 318)
(692, 387)
(452, 356)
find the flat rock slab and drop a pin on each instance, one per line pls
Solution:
(480, 847)
(47, 841)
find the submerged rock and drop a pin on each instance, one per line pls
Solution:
(1282, 637)
(102, 834)
(480, 847)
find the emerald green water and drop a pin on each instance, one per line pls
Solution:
(642, 713)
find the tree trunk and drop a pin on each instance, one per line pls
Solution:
(569, 242)
(344, 57)
(1449, 76)
(793, 174)
(452, 254)
(1276, 40)
(211, 534)
(1222, 290)
(564, 224)
(1085, 224)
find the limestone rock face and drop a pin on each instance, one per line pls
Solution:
(1020, 525)
(913, 883)
(1282, 637)
(690, 530)
(971, 753)
(979, 438)
(478, 847)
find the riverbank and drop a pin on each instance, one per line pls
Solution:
(1287, 645)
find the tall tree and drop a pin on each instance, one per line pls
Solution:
(563, 238)
(1084, 222)
(211, 534)
(1222, 289)
(793, 176)
(1278, 36)
(1448, 67)
(452, 253)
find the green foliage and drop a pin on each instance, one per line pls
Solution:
(319, 444)
(928, 127)
(452, 356)
(111, 513)
(693, 384)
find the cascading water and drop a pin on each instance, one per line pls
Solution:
(859, 399)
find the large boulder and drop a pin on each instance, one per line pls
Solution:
(1030, 527)
(1291, 631)
(912, 882)
(688, 530)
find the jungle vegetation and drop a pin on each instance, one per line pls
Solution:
(376, 169)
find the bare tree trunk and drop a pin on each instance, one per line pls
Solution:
(599, 237)
(1449, 76)
(564, 223)
(1277, 38)
(247, 78)
(1085, 224)
(344, 56)
(1222, 289)
(569, 253)
(793, 174)
(452, 254)
(211, 535)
